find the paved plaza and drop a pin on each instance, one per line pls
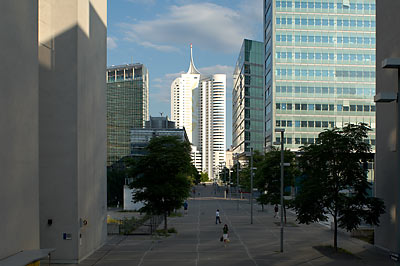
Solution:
(197, 241)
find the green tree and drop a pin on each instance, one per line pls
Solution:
(268, 176)
(335, 180)
(162, 176)
(204, 177)
(115, 185)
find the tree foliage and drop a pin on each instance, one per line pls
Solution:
(335, 180)
(268, 175)
(162, 176)
(204, 177)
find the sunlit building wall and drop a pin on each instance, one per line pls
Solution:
(319, 67)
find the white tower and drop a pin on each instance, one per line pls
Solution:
(184, 94)
(198, 104)
(213, 123)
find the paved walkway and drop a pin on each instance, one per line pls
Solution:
(197, 241)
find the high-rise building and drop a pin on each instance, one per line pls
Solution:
(212, 128)
(198, 104)
(185, 101)
(319, 67)
(248, 100)
(127, 107)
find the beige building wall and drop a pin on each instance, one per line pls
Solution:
(72, 128)
(387, 181)
(19, 178)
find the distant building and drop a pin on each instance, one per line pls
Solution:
(155, 127)
(248, 100)
(229, 159)
(127, 107)
(198, 104)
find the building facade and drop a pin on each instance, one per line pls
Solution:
(155, 127)
(72, 127)
(387, 234)
(198, 104)
(127, 107)
(319, 68)
(248, 100)
(19, 122)
(212, 130)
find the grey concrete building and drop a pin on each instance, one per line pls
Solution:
(387, 235)
(19, 113)
(72, 126)
(53, 127)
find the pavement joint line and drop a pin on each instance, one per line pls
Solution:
(108, 251)
(198, 232)
(147, 251)
(237, 234)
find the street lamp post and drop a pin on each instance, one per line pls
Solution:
(237, 179)
(251, 185)
(282, 131)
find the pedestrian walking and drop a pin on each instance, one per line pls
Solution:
(185, 207)
(276, 209)
(225, 235)
(217, 218)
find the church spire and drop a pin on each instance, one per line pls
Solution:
(192, 68)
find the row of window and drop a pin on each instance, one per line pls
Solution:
(326, 5)
(304, 141)
(324, 73)
(366, 23)
(326, 90)
(326, 56)
(325, 39)
(325, 107)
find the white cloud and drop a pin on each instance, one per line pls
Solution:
(219, 69)
(111, 42)
(209, 25)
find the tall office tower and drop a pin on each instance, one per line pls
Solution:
(387, 185)
(319, 67)
(248, 100)
(127, 107)
(198, 104)
(184, 101)
(212, 102)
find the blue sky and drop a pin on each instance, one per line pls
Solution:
(158, 33)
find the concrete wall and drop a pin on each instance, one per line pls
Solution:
(387, 235)
(72, 128)
(129, 205)
(19, 200)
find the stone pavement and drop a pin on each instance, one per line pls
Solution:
(197, 241)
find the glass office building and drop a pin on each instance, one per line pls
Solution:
(127, 107)
(319, 67)
(247, 99)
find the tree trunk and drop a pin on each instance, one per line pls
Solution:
(165, 221)
(335, 231)
(262, 207)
